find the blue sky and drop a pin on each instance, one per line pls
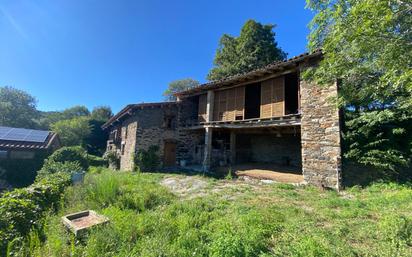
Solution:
(115, 52)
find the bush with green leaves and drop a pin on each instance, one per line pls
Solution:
(96, 160)
(22, 209)
(367, 46)
(70, 154)
(51, 167)
(148, 160)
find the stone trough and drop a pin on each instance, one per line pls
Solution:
(80, 222)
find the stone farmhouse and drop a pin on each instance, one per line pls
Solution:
(267, 116)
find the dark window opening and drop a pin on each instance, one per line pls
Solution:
(291, 93)
(114, 135)
(220, 140)
(252, 101)
(170, 122)
(195, 110)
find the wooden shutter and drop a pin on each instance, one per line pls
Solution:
(222, 105)
(231, 103)
(202, 107)
(239, 102)
(265, 100)
(278, 94)
(273, 98)
(228, 104)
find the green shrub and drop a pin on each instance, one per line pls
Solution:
(21, 209)
(71, 154)
(51, 167)
(96, 169)
(148, 160)
(96, 160)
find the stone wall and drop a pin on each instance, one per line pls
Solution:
(188, 140)
(320, 130)
(128, 134)
(144, 128)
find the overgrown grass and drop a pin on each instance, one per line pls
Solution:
(267, 220)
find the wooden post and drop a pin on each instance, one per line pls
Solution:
(208, 131)
(232, 147)
(209, 106)
(208, 149)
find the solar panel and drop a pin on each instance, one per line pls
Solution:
(20, 134)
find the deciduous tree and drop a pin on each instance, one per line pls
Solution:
(102, 113)
(178, 86)
(74, 131)
(367, 45)
(17, 108)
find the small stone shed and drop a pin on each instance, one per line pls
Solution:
(269, 115)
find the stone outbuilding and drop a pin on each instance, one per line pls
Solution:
(139, 126)
(268, 116)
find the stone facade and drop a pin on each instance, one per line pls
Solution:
(308, 138)
(320, 130)
(188, 140)
(145, 127)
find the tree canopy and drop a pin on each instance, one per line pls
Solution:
(75, 125)
(178, 86)
(255, 47)
(17, 108)
(367, 45)
(101, 113)
(49, 118)
(72, 132)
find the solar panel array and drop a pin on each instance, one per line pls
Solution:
(20, 134)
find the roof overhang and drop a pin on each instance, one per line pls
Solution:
(264, 72)
(131, 108)
(51, 139)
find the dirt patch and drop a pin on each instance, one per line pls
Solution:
(186, 186)
(193, 186)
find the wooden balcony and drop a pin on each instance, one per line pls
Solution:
(282, 121)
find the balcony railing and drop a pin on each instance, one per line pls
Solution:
(291, 119)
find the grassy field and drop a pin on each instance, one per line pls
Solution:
(209, 217)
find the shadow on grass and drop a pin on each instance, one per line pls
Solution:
(360, 175)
